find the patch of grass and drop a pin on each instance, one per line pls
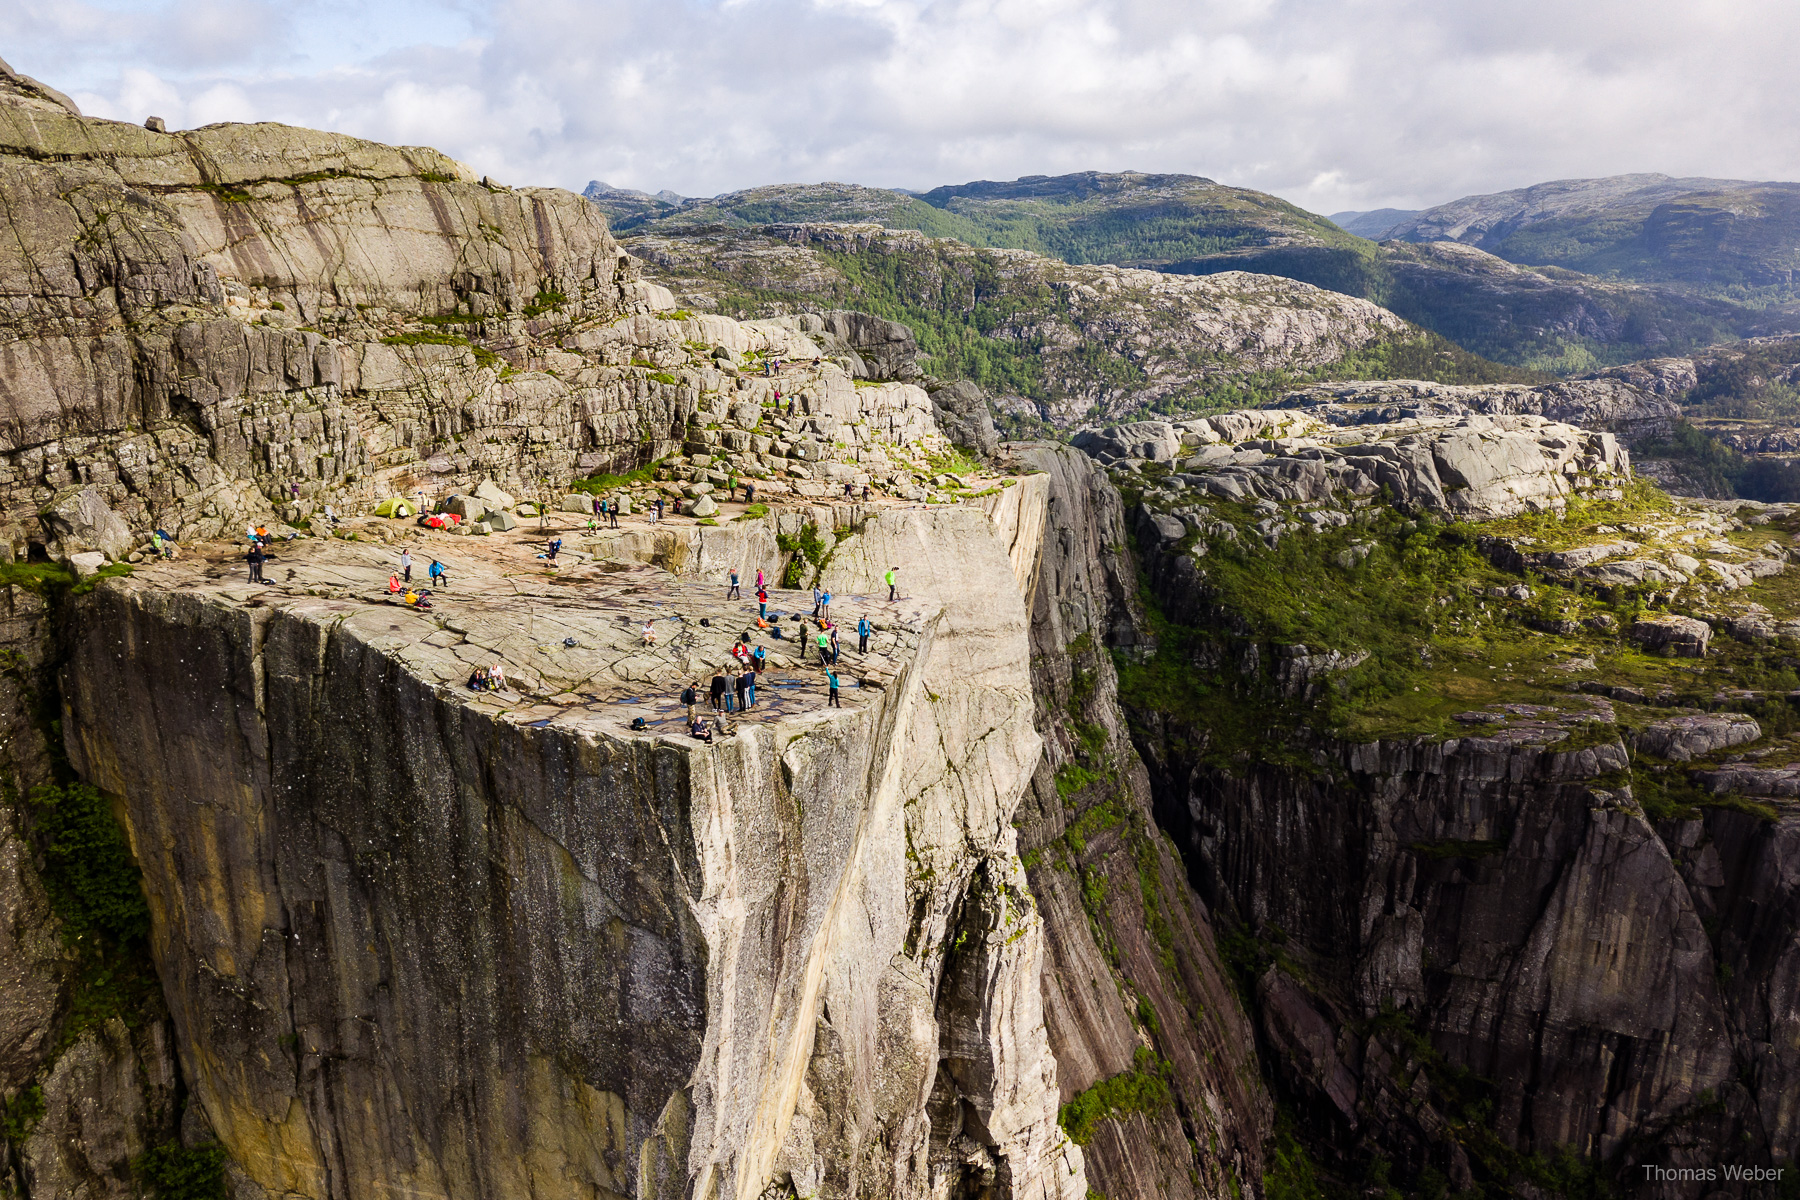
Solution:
(595, 485)
(663, 377)
(437, 177)
(173, 1171)
(109, 571)
(1143, 1089)
(1290, 1174)
(20, 1115)
(546, 300)
(95, 890)
(808, 553)
(42, 578)
(755, 511)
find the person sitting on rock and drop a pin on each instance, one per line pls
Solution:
(759, 659)
(478, 679)
(394, 584)
(700, 729)
(649, 633)
(496, 677)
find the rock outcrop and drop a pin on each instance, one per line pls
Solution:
(1470, 467)
(531, 953)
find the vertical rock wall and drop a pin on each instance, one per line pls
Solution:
(408, 946)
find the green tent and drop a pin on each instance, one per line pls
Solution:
(393, 506)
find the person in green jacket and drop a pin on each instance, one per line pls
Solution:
(824, 645)
(893, 582)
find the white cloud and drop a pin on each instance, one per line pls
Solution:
(1334, 105)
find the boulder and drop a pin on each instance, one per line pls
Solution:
(86, 563)
(466, 507)
(963, 414)
(705, 506)
(1168, 529)
(78, 520)
(489, 493)
(624, 503)
(576, 502)
(526, 510)
(1683, 739)
(1685, 637)
(1751, 627)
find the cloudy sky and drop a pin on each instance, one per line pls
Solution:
(1333, 104)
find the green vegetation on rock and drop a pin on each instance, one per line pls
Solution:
(173, 1171)
(97, 895)
(1143, 1089)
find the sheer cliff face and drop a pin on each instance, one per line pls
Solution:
(1132, 965)
(411, 945)
(1539, 927)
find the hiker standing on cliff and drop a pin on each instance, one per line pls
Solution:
(832, 700)
(255, 559)
(762, 599)
(732, 593)
(406, 565)
(691, 698)
(613, 514)
(718, 691)
(657, 519)
(892, 579)
(863, 630)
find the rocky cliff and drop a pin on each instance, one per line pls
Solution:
(411, 940)
(1462, 798)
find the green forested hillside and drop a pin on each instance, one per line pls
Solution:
(1552, 319)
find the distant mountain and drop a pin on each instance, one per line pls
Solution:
(621, 204)
(1722, 237)
(1052, 341)
(1374, 223)
(1549, 319)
